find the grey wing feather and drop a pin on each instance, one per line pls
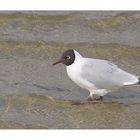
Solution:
(106, 75)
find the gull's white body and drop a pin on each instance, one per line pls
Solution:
(98, 76)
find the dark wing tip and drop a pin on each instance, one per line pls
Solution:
(139, 81)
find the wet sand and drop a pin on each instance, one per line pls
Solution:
(34, 94)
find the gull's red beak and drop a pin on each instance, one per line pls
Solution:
(57, 62)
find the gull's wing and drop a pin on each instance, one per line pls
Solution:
(106, 75)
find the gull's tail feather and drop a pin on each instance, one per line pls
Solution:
(137, 82)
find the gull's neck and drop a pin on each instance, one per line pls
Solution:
(77, 54)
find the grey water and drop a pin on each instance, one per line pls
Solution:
(71, 26)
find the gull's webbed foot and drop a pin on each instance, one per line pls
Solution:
(89, 98)
(99, 99)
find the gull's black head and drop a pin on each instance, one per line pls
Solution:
(67, 58)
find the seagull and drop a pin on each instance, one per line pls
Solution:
(97, 76)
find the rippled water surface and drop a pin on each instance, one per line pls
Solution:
(34, 94)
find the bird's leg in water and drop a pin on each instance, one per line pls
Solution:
(101, 98)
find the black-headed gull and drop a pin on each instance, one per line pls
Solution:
(97, 76)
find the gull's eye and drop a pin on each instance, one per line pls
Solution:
(67, 57)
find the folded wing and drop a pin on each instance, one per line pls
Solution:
(106, 75)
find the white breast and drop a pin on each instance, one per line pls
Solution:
(74, 73)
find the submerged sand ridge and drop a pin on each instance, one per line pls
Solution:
(35, 111)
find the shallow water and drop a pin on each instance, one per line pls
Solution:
(71, 27)
(34, 94)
